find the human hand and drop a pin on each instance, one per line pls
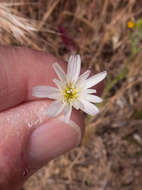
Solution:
(29, 138)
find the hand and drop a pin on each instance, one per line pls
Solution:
(28, 138)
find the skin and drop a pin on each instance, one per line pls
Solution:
(28, 138)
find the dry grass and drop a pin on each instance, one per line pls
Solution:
(14, 28)
(97, 29)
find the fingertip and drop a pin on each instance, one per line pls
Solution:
(52, 139)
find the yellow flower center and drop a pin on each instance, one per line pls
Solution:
(70, 93)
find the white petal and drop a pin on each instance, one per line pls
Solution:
(78, 104)
(86, 92)
(59, 71)
(90, 91)
(67, 113)
(92, 81)
(45, 92)
(55, 108)
(73, 69)
(59, 84)
(90, 108)
(94, 99)
(85, 75)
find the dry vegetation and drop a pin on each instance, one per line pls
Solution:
(110, 157)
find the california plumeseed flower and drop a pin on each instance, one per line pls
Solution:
(73, 90)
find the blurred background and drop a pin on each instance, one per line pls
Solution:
(108, 36)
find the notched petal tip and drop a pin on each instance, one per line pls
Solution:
(73, 69)
(104, 73)
(94, 99)
(90, 108)
(59, 71)
(92, 81)
(101, 75)
(78, 57)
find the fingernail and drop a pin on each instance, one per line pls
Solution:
(51, 140)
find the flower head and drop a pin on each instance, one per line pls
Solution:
(73, 90)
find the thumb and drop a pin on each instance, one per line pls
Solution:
(53, 138)
(29, 139)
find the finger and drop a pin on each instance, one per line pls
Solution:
(21, 69)
(29, 139)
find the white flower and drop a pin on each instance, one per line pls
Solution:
(72, 90)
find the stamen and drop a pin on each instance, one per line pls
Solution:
(70, 93)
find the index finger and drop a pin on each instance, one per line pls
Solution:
(20, 70)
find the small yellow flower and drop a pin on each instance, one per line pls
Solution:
(131, 24)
